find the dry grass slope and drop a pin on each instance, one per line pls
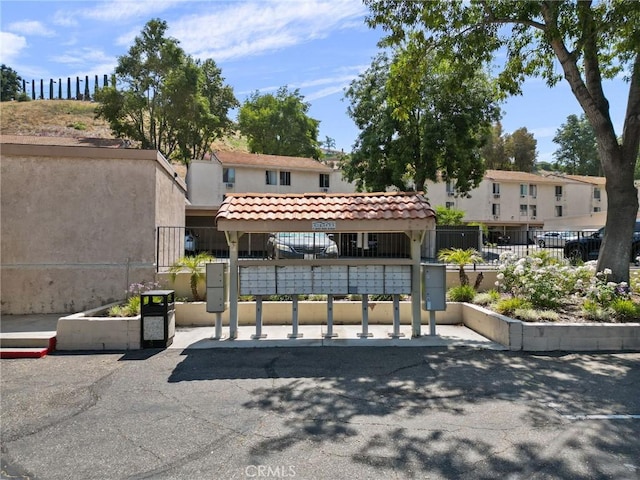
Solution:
(71, 118)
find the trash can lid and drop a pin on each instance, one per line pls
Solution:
(158, 292)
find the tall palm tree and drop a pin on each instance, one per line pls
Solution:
(461, 258)
(195, 267)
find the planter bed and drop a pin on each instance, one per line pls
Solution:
(94, 330)
(549, 337)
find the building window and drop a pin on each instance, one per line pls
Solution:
(558, 210)
(534, 210)
(495, 209)
(596, 193)
(523, 210)
(271, 178)
(229, 175)
(558, 190)
(451, 188)
(496, 189)
(533, 191)
(324, 180)
(596, 209)
(285, 178)
(523, 189)
(449, 205)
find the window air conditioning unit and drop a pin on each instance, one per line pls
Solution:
(496, 217)
(324, 190)
(496, 195)
(558, 198)
(522, 196)
(533, 217)
(229, 185)
(450, 194)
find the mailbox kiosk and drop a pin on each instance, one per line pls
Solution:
(217, 292)
(434, 283)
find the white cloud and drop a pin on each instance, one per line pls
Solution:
(11, 45)
(31, 27)
(64, 18)
(84, 56)
(126, 9)
(237, 30)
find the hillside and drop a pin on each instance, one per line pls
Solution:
(71, 118)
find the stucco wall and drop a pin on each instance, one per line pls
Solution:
(78, 224)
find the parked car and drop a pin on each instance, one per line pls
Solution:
(189, 243)
(587, 248)
(554, 239)
(301, 245)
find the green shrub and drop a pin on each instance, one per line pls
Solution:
(130, 309)
(486, 298)
(625, 310)
(593, 311)
(531, 315)
(461, 293)
(508, 306)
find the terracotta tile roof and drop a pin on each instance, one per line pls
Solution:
(317, 206)
(228, 158)
(63, 141)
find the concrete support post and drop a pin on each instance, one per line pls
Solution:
(232, 241)
(330, 317)
(365, 317)
(416, 315)
(218, 334)
(396, 317)
(432, 322)
(294, 319)
(258, 333)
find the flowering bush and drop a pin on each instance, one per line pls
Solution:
(131, 307)
(546, 283)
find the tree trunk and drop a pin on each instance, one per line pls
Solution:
(622, 198)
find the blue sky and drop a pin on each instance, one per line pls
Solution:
(316, 46)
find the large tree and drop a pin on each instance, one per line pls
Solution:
(165, 99)
(587, 41)
(10, 86)
(578, 150)
(493, 152)
(520, 147)
(429, 128)
(279, 125)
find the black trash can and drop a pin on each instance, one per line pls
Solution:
(158, 318)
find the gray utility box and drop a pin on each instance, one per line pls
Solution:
(434, 286)
(157, 318)
(216, 287)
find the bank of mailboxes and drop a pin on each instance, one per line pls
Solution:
(258, 280)
(434, 276)
(326, 279)
(216, 287)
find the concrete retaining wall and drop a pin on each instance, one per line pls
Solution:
(85, 331)
(312, 313)
(549, 337)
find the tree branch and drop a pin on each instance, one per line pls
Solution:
(631, 128)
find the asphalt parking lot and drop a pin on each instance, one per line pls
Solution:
(329, 413)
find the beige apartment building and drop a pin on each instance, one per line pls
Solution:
(222, 173)
(515, 203)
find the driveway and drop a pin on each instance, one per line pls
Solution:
(329, 413)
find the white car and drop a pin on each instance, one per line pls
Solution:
(554, 239)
